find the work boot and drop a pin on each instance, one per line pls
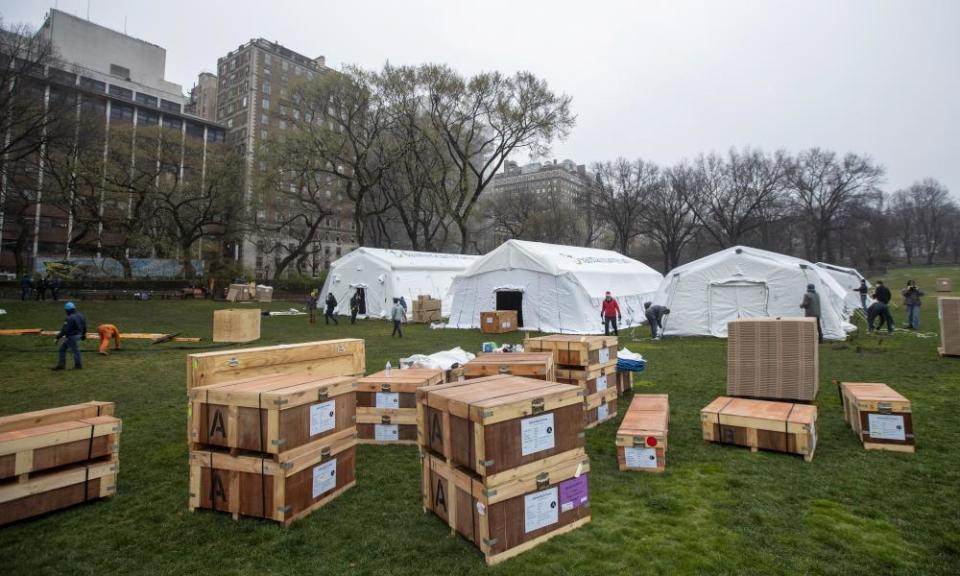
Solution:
(78, 367)
(59, 368)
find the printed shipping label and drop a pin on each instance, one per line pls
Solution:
(388, 399)
(640, 457)
(601, 382)
(323, 417)
(386, 432)
(324, 477)
(540, 509)
(573, 493)
(536, 434)
(603, 412)
(886, 427)
(604, 355)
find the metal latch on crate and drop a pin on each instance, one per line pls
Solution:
(384, 419)
(884, 407)
(324, 453)
(504, 369)
(543, 480)
(536, 406)
(385, 387)
(279, 441)
(486, 463)
(323, 394)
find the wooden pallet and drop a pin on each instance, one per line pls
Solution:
(538, 365)
(576, 351)
(642, 437)
(761, 425)
(57, 489)
(28, 451)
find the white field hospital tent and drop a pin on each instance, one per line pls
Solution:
(382, 275)
(742, 282)
(554, 288)
(849, 279)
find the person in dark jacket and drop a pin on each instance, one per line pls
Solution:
(26, 287)
(55, 288)
(863, 290)
(331, 306)
(610, 313)
(882, 311)
(312, 302)
(811, 308)
(40, 287)
(911, 299)
(881, 293)
(397, 314)
(354, 306)
(655, 314)
(73, 331)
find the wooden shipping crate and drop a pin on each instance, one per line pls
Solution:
(271, 414)
(28, 451)
(55, 415)
(948, 309)
(600, 407)
(538, 365)
(264, 488)
(571, 350)
(881, 416)
(494, 424)
(539, 501)
(642, 437)
(592, 379)
(425, 304)
(57, 489)
(387, 404)
(345, 357)
(498, 321)
(944, 285)
(761, 425)
(773, 358)
(236, 325)
(456, 374)
(624, 381)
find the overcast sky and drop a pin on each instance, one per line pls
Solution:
(659, 80)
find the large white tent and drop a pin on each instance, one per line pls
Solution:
(849, 279)
(743, 282)
(382, 275)
(554, 288)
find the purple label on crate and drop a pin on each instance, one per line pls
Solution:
(573, 493)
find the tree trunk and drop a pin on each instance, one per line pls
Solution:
(188, 271)
(464, 235)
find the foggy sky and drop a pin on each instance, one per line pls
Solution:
(659, 80)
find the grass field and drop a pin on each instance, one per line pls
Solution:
(716, 510)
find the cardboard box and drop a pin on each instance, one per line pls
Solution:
(498, 322)
(948, 308)
(773, 358)
(236, 325)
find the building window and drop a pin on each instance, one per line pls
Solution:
(93, 85)
(147, 117)
(62, 76)
(265, 104)
(215, 135)
(169, 106)
(264, 119)
(194, 130)
(266, 86)
(243, 102)
(146, 99)
(283, 124)
(267, 60)
(121, 113)
(172, 123)
(121, 92)
(121, 71)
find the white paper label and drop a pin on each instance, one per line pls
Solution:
(540, 509)
(386, 432)
(324, 477)
(601, 382)
(640, 457)
(489, 319)
(603, 412)
(323, 417)
(506, 323)
(388, 399)
(886, 427)
(604, 355)
(536, 434)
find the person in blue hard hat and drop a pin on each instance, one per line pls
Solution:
(73, 331)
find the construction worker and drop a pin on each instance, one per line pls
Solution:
(106, 332)
(655, 314)
(610, 313)
(811, 308)
(73, 331)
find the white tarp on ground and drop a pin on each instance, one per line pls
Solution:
(388, 274)
(560, 287)
(849, 279)
(743, 282)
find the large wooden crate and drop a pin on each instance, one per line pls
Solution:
(57, 489)
(773, 358)
(498, 321)
(538, 365)
(495, 424)
(345, 357)
(35, 449)
(571, 350)
(387, 404)
(271, 414)
(262, 487)
(593, 379)
(948, 309)
(537, 502)
(600, 407)
(761, 425)
(426, 309)
(881, 416)
(944, 285)
(642, 437)
(236, 325)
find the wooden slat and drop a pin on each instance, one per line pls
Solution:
(55, 415)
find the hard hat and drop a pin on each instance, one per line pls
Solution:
(69, 306)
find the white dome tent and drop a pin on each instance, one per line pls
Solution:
(554, 288)
(742, 282)
(849, 279)
(386, 274)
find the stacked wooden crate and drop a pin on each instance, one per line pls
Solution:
(773, 358)
(503, 460)
(272, 430)
(55, 458)
(387, 404)
(236, 325)
(589, 362)
(949, 311)
(426, 310)
(498, 321)
(944, 285)
(538, 365)
(881, 416)
(642, 436)
(761, 425)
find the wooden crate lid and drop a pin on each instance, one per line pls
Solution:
(59, 433)
(872, 391)
(553, 341)
(761, 414)
(502, 397)
(55, 415)
(512, 358)
(282, 391)
(530, 478)
(647, 402)
(406, 380)
(340, 346)
(644, 423)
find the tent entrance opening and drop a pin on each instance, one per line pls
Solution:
(733, 300)
(363, 301)
(511, 300)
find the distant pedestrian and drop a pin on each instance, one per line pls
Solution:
(106, 332)
(73, 331)
(655, 314)
(882, 311)
(40, 287)
(55, 288)
(863, 289)
(609, 314)
(331, 306)
(403, 304)
(911, 299)
(312, 305)
(354, 306)
(26, 287)
(811, 308)
(397, 314)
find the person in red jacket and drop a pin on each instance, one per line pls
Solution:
(610, 314)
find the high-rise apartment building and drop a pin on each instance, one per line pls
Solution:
(253, 101)
(203, 97)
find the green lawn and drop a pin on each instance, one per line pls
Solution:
(716, 510)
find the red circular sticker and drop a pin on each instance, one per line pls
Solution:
(651, 441)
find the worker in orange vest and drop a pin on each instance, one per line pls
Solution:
(108, 331)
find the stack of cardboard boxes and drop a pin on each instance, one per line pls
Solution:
(949, 311)
(426, 310)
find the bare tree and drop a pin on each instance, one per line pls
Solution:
(624, 186)
(668, 219)
(929, 205)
